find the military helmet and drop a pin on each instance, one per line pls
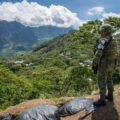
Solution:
(106, 28)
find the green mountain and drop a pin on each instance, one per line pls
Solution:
(16, 38)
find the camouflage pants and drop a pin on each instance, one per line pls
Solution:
(105, 70)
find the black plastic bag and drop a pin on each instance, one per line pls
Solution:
(77, 105)
(40, 112)
(6, 117)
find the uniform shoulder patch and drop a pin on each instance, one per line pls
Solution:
(100, 47)
(102, 43)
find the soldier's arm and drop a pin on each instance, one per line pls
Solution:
(99, 52)
(97, 57)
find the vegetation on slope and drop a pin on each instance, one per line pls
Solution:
(60, 67)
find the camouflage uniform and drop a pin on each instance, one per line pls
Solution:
(105, 57)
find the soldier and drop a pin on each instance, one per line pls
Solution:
(105, 59)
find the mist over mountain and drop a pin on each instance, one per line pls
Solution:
(16, 38)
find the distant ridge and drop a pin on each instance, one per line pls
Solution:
(16, 38)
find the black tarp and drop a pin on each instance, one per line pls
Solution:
(77, 105)
(40, 112)
(6, 117)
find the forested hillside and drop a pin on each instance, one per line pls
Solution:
(16, 38)
(59, 67)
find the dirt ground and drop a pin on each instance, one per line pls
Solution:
(109, 112)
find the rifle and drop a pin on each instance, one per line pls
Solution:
(95, 68)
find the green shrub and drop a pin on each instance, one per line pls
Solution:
(13, 89)
(116, 76)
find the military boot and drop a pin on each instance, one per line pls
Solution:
(99, 103)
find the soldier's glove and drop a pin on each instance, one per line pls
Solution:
(94, 67)
(116, 62)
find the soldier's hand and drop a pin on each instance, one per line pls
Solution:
(94, 67)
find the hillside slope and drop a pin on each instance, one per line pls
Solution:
(57, 68)
(109, 112)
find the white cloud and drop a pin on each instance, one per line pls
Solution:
(32, 14)
(95, 10)
(105, 15)
(117, 32)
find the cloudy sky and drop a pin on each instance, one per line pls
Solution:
(60, 13)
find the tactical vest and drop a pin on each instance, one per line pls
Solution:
(110, 51)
